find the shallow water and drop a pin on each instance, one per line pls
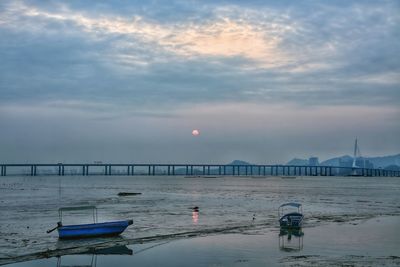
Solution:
(28, 205)
(374, 242)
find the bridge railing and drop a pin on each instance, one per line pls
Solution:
(132, 169)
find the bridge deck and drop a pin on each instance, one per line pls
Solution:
(187, 170)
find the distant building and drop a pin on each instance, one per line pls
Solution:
(313, 161)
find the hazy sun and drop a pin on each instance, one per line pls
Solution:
(195, 132)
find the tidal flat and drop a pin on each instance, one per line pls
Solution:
(348, 220)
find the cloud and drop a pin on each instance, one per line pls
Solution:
(230, 51)
(222, 37)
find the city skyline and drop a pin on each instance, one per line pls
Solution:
(262, 81)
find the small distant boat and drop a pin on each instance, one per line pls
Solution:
(94, 229)
(292, 219)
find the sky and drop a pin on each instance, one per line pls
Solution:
(263, 81)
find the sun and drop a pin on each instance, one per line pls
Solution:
(195, 132)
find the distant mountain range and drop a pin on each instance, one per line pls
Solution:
(379, 162)
(386, 162)
(298, 162)
(239, 162)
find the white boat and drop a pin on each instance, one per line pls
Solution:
(292, 219)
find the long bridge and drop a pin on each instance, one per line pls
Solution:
(132, 169)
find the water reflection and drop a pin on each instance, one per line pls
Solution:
(195, 217)
(118, 250)
(93, 262)
(81, 259)
(291, 239)
(86, 243)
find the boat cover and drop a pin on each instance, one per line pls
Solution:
(293, 204)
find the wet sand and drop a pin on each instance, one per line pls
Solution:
(372, 242)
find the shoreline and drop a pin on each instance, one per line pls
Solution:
(258, 229)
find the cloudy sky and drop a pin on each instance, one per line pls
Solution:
(263, 81)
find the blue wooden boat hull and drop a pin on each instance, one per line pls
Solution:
(93, 230)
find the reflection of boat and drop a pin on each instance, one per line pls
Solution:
(94, 229)
(117, 250)
(93, 263)
(297, 232)
(291, 239)
(292, 219)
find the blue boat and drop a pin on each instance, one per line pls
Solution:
(94, 229)
(291, 219)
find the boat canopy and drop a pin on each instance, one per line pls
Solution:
(292, 204)
(77, 208)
